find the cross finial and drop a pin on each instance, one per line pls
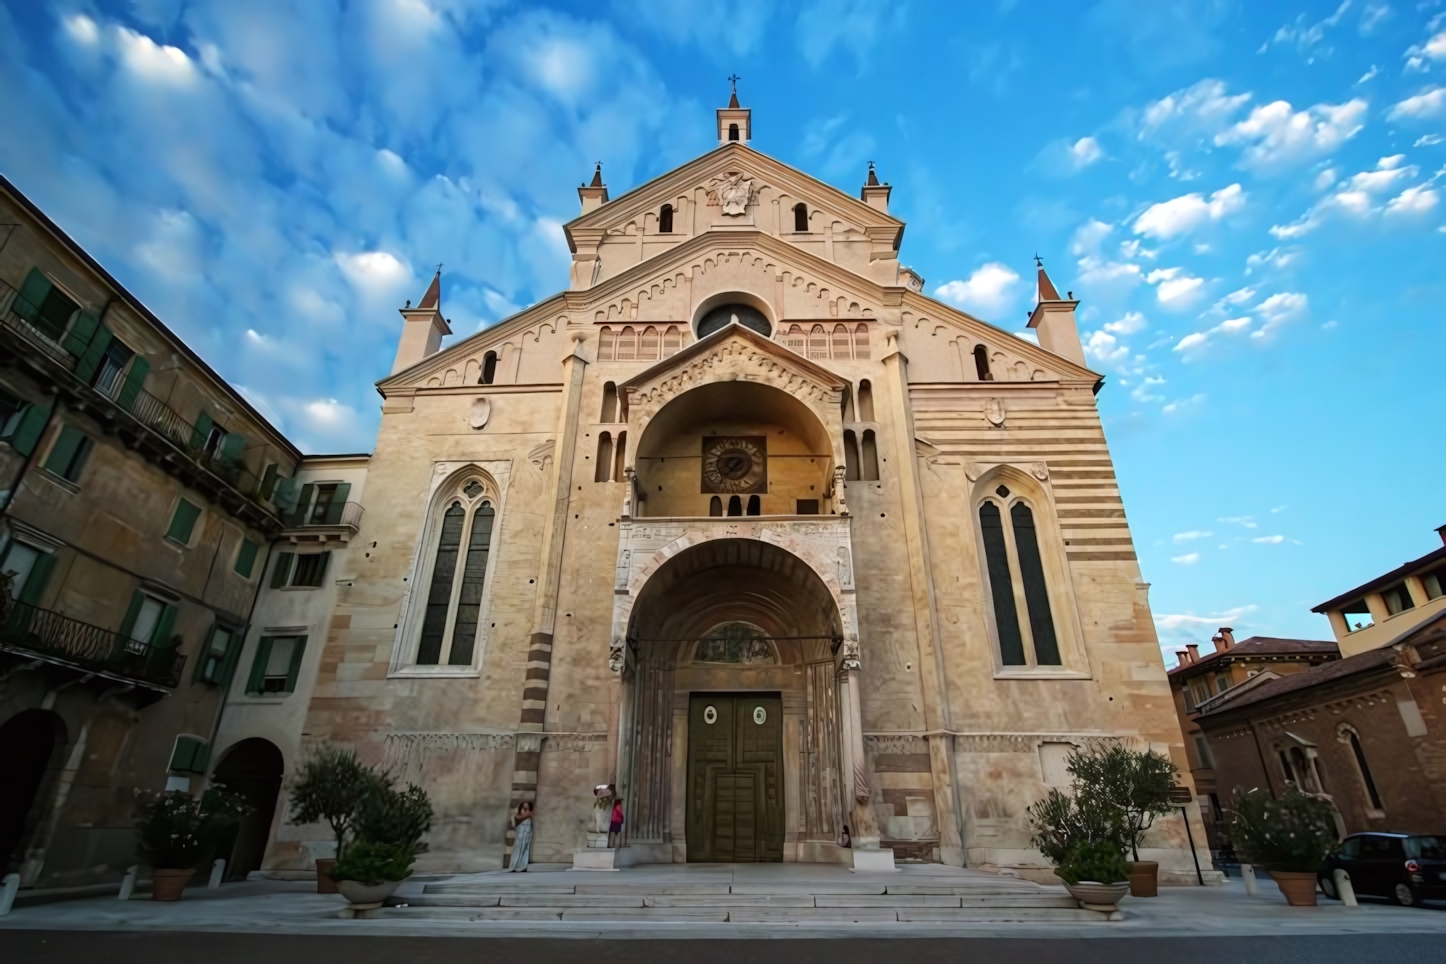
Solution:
(734, 81)
(439, 267)
(1038, 261)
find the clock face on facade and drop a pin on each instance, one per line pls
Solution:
(735, 464)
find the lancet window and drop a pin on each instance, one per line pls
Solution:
(1023, 619)
(454, 581)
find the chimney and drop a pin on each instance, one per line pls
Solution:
(1218, 643)
(422, 327)
(874, 194)
(1182, 657)
(1441, 531)
(594, 195)
(1053, 320)
(1194, 649)
(1227, 636)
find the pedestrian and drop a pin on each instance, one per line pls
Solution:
(522, 846)
(615, 827)
(843, 839)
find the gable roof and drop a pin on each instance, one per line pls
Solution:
(729, 156)
(734, 330)
(1262, 646)
(1381, 582)
(1330, 672)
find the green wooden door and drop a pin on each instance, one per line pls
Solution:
(735, 778)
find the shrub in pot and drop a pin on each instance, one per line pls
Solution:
(177, 832)
(1290, 837)
(330, 788)
(389, 826)
(1085, 840)
(1137, 785)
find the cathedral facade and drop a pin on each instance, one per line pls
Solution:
(748, 526)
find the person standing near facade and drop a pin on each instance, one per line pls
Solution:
(615, 827)
(522, 846)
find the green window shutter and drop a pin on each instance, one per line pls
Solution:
(203, 757)
(183, 522)
(288, 492)
(246, 558)
(295, 670)
(198, 672)
(258, 665)
(165, 626)
(283, 569)
(32, 424)
(232, 446)
(32, 295)
(338, 499)
(39, 576)
(268, 481)
(64, 449)
(233, 656)
(138, 599)
(303, 505)
(94, 352)
(202, 431)
(182, 754)
(79, 337)
(135, 379)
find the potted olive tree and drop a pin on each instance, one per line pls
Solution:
(389, 827)
(1085, 840)
(1136, 784)
(1290, 837)
(177, 832)
(330, 788)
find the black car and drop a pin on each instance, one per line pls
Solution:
(1407, 868)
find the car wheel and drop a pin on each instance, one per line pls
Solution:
(1405, 896)
(1328, 886)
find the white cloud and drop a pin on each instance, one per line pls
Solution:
(1089, 236)
(1178, 621)
(1277, 258)
(990, 289)
(1370, 74)
(1237, 297)
(1174, 288)
(1085, 152)
(1418, 54)
(1192, 535)
(81, 29)
(1278, 309)
(1413, 200)
(1183, 403)
(154, 62)
(1204, 105)
(1427, 140)
(1106, 349)
(1188, 559)
(1169, 219)
(1131, 322)
(1192, 343)
(1268, 540)
(1354, 197)
(376, 274)
(1304, 37)
(1431, 102)
(1248, 521)
(1276, 136)
(1326, 179)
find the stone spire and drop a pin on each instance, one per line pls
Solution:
(1053, 320)
(1045, 289)
(594, 195)
(735, 123)
(874, 194)
(422, 327)
(433, 298)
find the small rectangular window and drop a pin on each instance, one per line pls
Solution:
(55, 313)
(191, 754)
(1357, 616)
(310, 569)
(246, 558)
(1435, 582)
(1222, 683)
(1201, 691)
(214, 663)
(806, 507)
(1398, 599)
(148, 617)
(68, 455)
(277, 664)
(183, 522)
(112, 363)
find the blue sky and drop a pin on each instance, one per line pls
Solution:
(1245, 196)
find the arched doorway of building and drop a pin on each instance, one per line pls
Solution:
(733, 707)
(31, 745)
(254, 769)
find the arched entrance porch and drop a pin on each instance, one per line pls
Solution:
(254, 769)
(735, 728)
(31, 744)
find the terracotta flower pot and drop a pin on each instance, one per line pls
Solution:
(324, 883)
(366, 896)
(1145, 878)
(1297, 886)
(1096, 896)
(167, 883)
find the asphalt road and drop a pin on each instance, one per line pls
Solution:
(189, 947)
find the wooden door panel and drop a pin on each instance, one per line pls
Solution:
(735, 778)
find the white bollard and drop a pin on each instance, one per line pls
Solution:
(1247, 872)
(1344, 889)
(8, 888)
(218, 870)
(128, 884)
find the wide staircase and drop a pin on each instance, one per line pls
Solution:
(740, 893)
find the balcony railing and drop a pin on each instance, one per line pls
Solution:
(336, 514)
(49, 634)
(13, 319)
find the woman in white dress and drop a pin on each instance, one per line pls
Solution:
(522, 846)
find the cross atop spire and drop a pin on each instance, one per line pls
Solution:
(433, 298)
(1047, 291)
(873, 178)
(597, 176)
(733, 99)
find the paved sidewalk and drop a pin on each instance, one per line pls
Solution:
(265, 907)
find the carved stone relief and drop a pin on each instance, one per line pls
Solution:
(994, 412)
(479, 413)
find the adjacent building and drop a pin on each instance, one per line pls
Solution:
(135, 515)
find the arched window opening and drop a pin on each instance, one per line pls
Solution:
(733, 132)
(754, 505)
(474, 578)
(1036, 597)
(1360, 754)
(866, 401)
(981, 364)
(818, 342)
(458, 580)
(672, 341)
(665, 219)
(861, 340)
(869, 465)
(648, 346)
(796, 341)
(715, 506)
(841, 342)
(439, 595)
(735, 313)
(851, 456)
(735, 505)
(800, 217)
(601, 471)
(1302, 768)
(620, 457)
(1001, 586)
(489, 368)
(609, 403)
(627, 344)
(605, 345)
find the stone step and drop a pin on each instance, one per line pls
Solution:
(786, 914)
(732, 900)
(648, 890)
(809, 887)
(963, 889)
(499, 887)
(1003, 914)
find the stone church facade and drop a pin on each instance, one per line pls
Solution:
(747, 525)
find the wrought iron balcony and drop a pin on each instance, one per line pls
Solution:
(12, 318)
(326, 522)
(60, 639)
